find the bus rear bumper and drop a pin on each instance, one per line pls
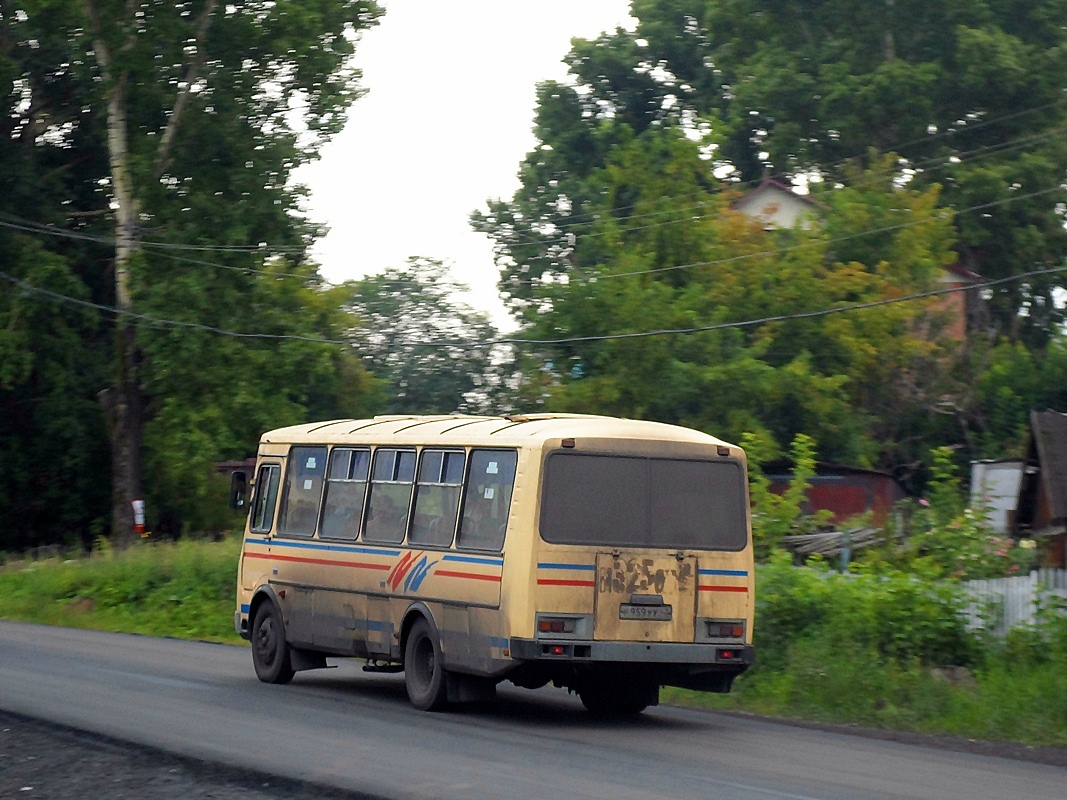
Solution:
(703, 667)
(633, 652)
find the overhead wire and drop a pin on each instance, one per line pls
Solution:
(161, 248)
(515, 340)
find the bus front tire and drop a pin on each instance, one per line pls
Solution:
(270, 650)
(424, 674)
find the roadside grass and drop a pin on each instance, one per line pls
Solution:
(1024, 703)
(181, 589)
(826, 647)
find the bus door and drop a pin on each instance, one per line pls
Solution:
(642, 597)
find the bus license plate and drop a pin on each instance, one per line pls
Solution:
(657, 613)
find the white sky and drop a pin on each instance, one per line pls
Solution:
(446, 120)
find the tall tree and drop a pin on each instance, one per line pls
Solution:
(657, 247)
(430, 349)
(194, 115)
(969, 94)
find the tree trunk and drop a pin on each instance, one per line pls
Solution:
(122, 403)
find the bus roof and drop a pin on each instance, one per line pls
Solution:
(512, 430)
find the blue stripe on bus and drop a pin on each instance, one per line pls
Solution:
(329, 547)
(492, 562)
(245, 608)
(582, 567)
(733, 573)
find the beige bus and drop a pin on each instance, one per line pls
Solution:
(607, 556)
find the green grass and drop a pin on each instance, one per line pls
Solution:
(185, 590)
(998, 700)
(818, 667)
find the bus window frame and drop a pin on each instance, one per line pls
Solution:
(397, 450)
(283, 508)
(271, 467)
(497, 546)
(460, 487)
(327, 480)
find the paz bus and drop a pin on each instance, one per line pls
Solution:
(606, 556)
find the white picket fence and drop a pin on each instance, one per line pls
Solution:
(1001, 604)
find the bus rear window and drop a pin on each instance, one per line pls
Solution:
(621, 501)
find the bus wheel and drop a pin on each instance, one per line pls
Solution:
(270, 651)
(423, 674)
(614, 700)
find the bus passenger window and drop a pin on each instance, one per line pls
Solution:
(346, 487)
(303, 490)
(266, 498)
(487, 499)
(437, 497)
(392, 478)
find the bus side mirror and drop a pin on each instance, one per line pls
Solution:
(238, 490)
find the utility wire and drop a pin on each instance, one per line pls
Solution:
(807, 245)
(783, 317)
(467, 345)
(17, 223)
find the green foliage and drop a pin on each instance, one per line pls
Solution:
(887, 649)
(648, 241)
(950, 539)
(890, 614)
(184, 590)
(415, 334)
(221, 103)
(892, 116)
(777, 515)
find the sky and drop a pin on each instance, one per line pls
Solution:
(446, 121)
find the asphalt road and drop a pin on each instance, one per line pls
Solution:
(347, 729)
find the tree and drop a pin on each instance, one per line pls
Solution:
(177, 127)
(656, 246)
(970, 94)
(430, 349)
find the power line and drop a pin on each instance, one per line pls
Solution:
(30, 226)
(157, 321)
(820, 243)
(467, 345)
(782, 317)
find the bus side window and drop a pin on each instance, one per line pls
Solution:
(303, 491)
(437, 497)
(266, 498)
(487, 499)
(346, 488)
(392, 479)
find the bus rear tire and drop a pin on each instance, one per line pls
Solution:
(424, 675)
(270, 650)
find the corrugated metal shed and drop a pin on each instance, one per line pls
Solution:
(842, 490)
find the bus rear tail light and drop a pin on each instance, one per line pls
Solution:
(555, 625)
(725, 629)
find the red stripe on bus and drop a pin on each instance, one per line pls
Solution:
(549, 582)
(323, 561)
(724, 588)
(447, 573)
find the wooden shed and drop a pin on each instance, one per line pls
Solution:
(1042, 507)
